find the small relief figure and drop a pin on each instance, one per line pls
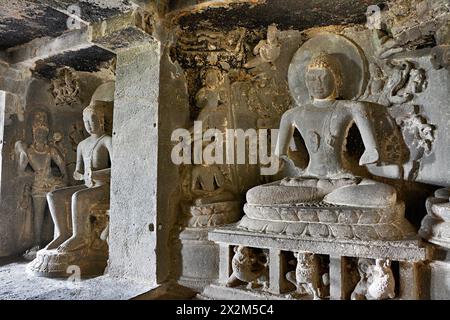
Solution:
(213, 100)
(365, 272)
(65, 88)
(266, 51)
(377, 280)
(249, 266)
(76, 134)
(208, 185)
(307, 276)
(39, 157)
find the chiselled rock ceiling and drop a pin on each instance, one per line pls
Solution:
(298, 14)
(24, 20)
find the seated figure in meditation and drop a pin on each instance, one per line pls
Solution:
(92, 166)
(323, 125)
(208, 186)
(326, 182)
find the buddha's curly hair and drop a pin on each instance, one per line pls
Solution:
(326, 61)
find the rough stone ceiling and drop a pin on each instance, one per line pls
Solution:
(298, 14)
(24, 20)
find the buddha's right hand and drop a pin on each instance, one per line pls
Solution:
(285, 162)
(78, 176)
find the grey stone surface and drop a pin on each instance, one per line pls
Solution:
(17, 284)
(199, 258)
(133, 218)
(439, 281)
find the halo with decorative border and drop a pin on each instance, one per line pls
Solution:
(354, 66)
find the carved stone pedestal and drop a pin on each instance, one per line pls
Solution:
(326, 221)
(439, 279)
(91, 260)
(200, 257)
(407, 257)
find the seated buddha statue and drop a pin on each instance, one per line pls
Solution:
(326, 199)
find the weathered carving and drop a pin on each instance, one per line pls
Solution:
(206, 47)
(249, 267)
(376, 282)
(213, 204)
(308, 276)
(323, 123)
(39, 157)
(402, 82)
(419, 136)
(395, 83)
(65, 88)
(435, 226)
(78, 241)
(266, 51)
(413, 23)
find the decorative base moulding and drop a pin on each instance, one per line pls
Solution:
(54, 264)
(325, 221)
(199, 258)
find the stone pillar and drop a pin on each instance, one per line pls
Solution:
(225, 257)
(341, 283)
(133, 221)
(277, 272)
(151, 101)
(410, 281)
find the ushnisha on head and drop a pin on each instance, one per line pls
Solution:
(324, 77)
(94, 118)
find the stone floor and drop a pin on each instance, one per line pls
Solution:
(16, 284)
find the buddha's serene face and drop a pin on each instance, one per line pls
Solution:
(92, 123)
(320, 83)
(40, 135)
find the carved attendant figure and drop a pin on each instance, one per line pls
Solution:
(39, 156)
(208, 185)
(93, 166)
